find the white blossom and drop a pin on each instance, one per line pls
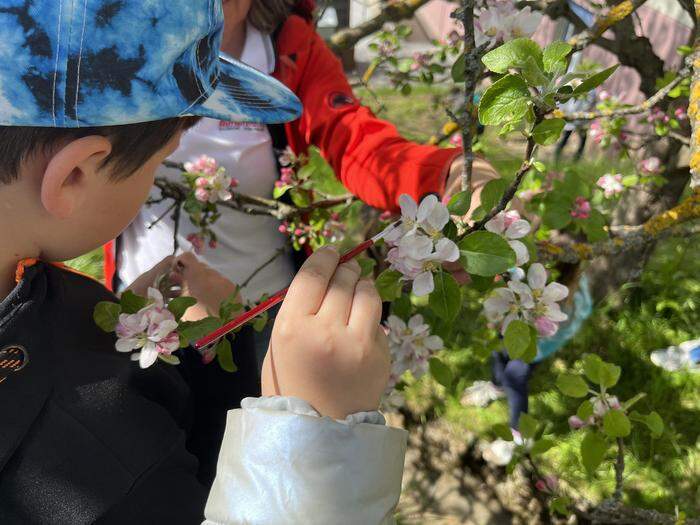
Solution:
(611, 184)
(512, 227)
(418, 247)
(411, 346)
(481, 394)
(502, 21)
(685, 356)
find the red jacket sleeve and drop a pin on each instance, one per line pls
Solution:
(372, 160)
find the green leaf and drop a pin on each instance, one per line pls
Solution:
(106, 315)
(594, 226)
(441, 372)
(594, 81)
(532, 73)
(179, 305)
(481, 284)
(506, 100)
(527, 425)
(600, 372)
(485, 253)
(655, 424)
(541, 446)
(131, 303)
(554, 55)
(459, 204)
(514, 53)
(585, 410)
(170, 359)
(517, 338)
(593, 449)
(402, 307)
(389, 285)
(616, 424)
(548, 131)
(278, 191)
(224, 355)
(231, 307)
(191, 331)
(446, 299)
(260, 322)
(560, 505)
(531, 351)
(503, 431)
(458, 69)
(572, 385)
(322, 175)
(492, 193)
(366, 266)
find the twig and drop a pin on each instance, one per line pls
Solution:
(511, 190)
(162, 215)
(670, 223)
(643, 107)
(267, 263)
(616, 14)
(619, 470)
(472, 71)
(176, 227)
(391, 12)
(694, 108)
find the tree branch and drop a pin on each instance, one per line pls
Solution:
(667, 224)
(392, 12)
(694, 108)
(603, 23)
(619, 470)
(267, 263)
(632, 110)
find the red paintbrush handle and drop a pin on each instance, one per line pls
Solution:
(267, 304)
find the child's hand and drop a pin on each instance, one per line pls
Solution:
(327, 347)
(165, 267)
(205, 284)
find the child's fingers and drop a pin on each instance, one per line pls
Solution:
(366, 312)
(309, 287)
(339, 296)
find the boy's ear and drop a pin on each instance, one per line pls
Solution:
(70, 173)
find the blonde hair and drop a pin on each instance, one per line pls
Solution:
(267, 15)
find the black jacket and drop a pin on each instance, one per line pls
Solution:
(86, 436)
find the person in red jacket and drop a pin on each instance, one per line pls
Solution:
(368, 154)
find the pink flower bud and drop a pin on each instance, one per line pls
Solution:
(201, 182)
(456, 140)
(302, 240)
(279, 184)
(213, 244)
(298, 232)
(581, 209)
(201, 195)
(546, 327)
(603, 96)
(234, 183)
(335, 216)
(385, 216)
(576, 423)
(541, 485)
(196, 241)
(681, 113)
(282, 228)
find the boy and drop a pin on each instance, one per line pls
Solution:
(90, 95)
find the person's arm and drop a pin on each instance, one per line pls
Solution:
(367, 153)
(330, 458)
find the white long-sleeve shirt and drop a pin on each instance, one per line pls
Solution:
(281, 463)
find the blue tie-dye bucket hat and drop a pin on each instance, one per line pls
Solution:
(78, 63)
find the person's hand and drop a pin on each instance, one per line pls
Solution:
(327, 346)
(165, 267)
(205, 284)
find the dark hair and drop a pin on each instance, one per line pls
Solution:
(132, 144)
(267, 15)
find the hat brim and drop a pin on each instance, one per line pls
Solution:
(244, 94)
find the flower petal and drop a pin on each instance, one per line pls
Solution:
(409, 208)
(522, 255)
(537, 276)
(497, 224)
(554, 292)
(518, 229)
(149, 355)
(446, 250)
(553, 312)
(423, 284)
(126, 345)
(427, 205)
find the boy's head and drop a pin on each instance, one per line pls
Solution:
(93, 97)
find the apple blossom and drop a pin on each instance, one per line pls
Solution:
(685, 356)
(482, 393)
(544, 311)
(500, 452)
(651, 166)
(196, 241)
(512, 227)
(602, 406)
(502, 21)
(411, 345)
(596, 131)
(152, 330)
(417, 245)
(581, 208)
(287, 157)
(203, 164)
(681, 113)
(611, 184)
